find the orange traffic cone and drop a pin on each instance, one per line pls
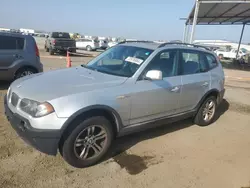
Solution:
(68, 60)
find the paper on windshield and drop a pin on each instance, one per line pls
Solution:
(134, 60)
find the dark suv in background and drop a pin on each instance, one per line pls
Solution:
(19, 56)
(59, 42)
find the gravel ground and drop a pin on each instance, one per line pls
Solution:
(177, 155)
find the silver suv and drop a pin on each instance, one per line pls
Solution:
(19, 56)
(128, 88)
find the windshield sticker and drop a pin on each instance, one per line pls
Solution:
(134, 60)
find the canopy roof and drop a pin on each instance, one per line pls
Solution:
(224, 12)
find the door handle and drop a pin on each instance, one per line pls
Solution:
(205, 84)
(175, 89)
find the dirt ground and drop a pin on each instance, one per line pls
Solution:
(179, 155)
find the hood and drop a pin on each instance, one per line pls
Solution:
(54, 84)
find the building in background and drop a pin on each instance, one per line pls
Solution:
(4, 29)
(27, 31)
(222, 44)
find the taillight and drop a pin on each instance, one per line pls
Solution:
(54, 42)
(37, 51)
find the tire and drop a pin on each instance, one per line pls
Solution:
(24, 72)
(200, 116)
(51, 52)
(46, 49)
(88, 48)
(78, 154)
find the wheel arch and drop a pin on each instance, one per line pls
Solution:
(91, 111)
(213, 92)
(25, 66)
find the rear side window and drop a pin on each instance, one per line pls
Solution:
(211, 60)
(11, 43)
(192, 62)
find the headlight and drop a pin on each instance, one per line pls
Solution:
(35, 108)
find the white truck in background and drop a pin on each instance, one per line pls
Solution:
(223, 53)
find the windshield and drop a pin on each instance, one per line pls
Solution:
(60, 35)
(243, 50)
(120, 60)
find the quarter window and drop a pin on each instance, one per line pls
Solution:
(211, 60)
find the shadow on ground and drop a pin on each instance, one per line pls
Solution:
(4, 85)
(135, 164)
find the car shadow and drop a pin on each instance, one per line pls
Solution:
(122, 144)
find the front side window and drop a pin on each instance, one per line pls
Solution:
(192, 62)
(120, 60)
(166, 62)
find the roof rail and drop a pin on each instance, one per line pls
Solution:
(145, 41)
(184, 44)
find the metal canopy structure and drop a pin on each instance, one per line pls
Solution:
(224, 12)
(220, 12)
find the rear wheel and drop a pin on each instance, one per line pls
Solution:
(24, 72)
(51, 51)
(88, 142)
(206, 113)
(89, 48)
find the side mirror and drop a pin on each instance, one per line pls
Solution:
(154, 75)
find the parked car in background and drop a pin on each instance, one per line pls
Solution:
(112, 43)
(87, 44)
(103, 44)
(19, 56)
(231, 54)
(59, 42)
(128, 88)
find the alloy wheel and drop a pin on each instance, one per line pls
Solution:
(208, 111)
(90, 142)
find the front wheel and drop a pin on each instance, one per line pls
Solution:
(88, 142)
(206, 112)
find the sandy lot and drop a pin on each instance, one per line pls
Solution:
(177, 155)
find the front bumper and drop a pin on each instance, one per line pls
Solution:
(45, 141)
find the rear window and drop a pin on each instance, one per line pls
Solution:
(60, 35)
(11, 43)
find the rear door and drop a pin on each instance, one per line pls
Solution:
(11, 50)
(195, 78)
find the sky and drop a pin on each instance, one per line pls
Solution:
(140, 19)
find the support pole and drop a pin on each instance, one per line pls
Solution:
(196, 12)
(184, 33)
(242, 32)
(188, 29)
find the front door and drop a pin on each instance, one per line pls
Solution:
(157, 99)
(195, 78)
